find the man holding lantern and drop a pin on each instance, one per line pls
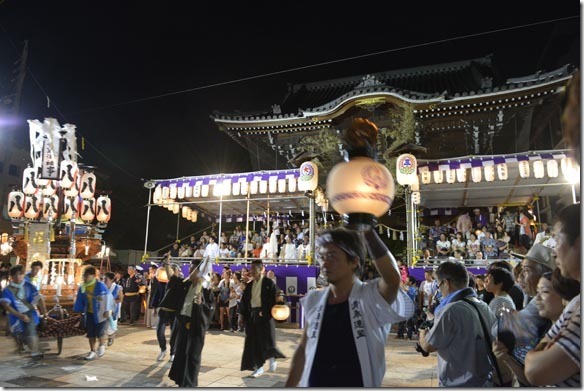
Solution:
(347, 323)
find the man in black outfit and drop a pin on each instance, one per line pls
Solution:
(193, 318)
(168, 308)
(131, 302)
(260, 330)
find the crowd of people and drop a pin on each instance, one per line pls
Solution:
(475, 238)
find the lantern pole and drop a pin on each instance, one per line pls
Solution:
(177, 223)
(220, 214)
(149, 185)
(247, 227)
(409, 225)
(312, 217)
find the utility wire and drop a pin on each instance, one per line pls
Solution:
(317, 65)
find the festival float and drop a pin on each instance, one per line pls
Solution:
(57, 217)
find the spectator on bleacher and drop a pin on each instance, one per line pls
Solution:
(288, 251)
(257, 250)
(525, 229)
(224, 238)
(479, 219)
(303, 249)
(224, 252)
(193, 243)
(489, 246)
(185, 250)
(458, 243)
(299, 236)
(204, 240)
(435, 231)
(473, 246)
(509, 220)
(175, 250)
(464, 225)
(443, 247)
(212, 249)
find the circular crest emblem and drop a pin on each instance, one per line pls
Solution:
(291, 289)
(306, 172)
(406, 164)
(375, 177)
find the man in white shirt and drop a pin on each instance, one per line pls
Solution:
(348, 322)
(212, 249)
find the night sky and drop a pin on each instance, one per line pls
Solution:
(92, 57)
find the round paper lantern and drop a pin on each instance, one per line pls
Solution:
(361, 186)
(292, 182)
(32, 206)
(188, 190)
(280, 312)
(16, 201)
(538, 169)
(157, 195)
(489, 173)
(552, 168)
(248, 187)
(50, 206)
(175, 208)
(103, 209)
(68, 173)
(475, 174)
(235, 188)
(49, 188)
(87, 185)
(197, 191)
(29, 184)
(69, 208)
(204, 190)
(450, 176)
(502, 171)
(524, 169)
(406, 168)
(425, 175)
(308, 179)
(438, 176)
(180, 192)
(217, 188)
(281, 185)
(416, 185)
(273, 184)
(88, 210)
(570, 169)
(72, 191)
(165, 192)
(461, 175)
(263, 187)
(172, 192)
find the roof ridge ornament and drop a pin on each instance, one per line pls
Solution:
(368, 81)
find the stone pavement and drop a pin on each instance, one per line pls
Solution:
(131, 362)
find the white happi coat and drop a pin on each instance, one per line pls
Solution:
(371, 319)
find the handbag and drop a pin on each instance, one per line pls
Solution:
(488, 343)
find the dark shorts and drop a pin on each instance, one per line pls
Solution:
(223, 304)
(94, 330)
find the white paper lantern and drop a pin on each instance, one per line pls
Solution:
(360, 185)
(263, 187)
(29, 184)
(245, 188)
(172, 193)
(165, 192)
(188, 191)
(524, 169)
(502, 172)
(476, 174)
(236, 187)
(186, 212)
(204, 190)
(49, 188)
(461, 175)
(416, 197)
(254, 187)
(226, 187)
(438, 176)
(32, 206)
(406, 168)
(552, 168)
(416, 185)
(308, 179)
(175, 208)
(489, 173)
(88, 210)
(450, 176)
(50, 206)
(88, 185)
(281, 185)
(570, 170)
(217, 188)
(72, 191)
(292, 182)
(425, 175)
(538, 169)
(68, 173)
(181, 190)
(157, 195)
(197, 191)
(273, 184)
(103, 211)
(69, 208)
(16, 201)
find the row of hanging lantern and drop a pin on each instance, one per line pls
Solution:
(307, 180)
(569, 167)
(38, 198)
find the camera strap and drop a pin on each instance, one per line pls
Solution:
(487, 339)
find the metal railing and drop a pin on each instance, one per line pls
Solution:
(235, 261)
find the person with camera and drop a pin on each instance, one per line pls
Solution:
(460, 333)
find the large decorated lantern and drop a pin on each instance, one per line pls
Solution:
(308, 179)
(361, 188)
(406, 169)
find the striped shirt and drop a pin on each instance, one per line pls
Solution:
(566, 333)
